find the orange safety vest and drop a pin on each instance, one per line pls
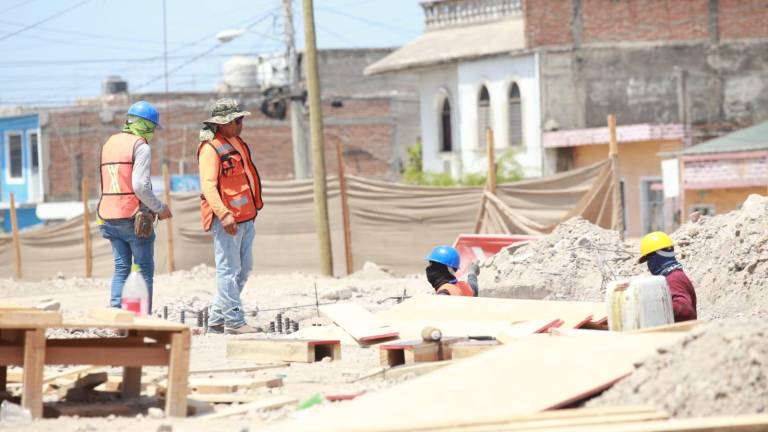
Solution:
(118, 200)
(460, 288)
(234, 187)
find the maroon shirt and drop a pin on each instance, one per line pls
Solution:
(683, 296)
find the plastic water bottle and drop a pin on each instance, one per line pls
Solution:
(135, 296)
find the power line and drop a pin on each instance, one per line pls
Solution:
(54, 16)
(397, 29)
(90, 35)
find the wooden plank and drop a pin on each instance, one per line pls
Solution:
(22, 318)
(111, 315)
(409, 352)
(535, 379)
(131, 382)
(362, 325)
(139, 323)
(3, 378)
(290, 350)
(527, 328)
(114, 356)
(265, 404)
(455, 308)
(544, 424)
(75, 371)
(739, 423)
(178, 369)
(231, 385)
(34, 360)
(469, 348)
(680, 326)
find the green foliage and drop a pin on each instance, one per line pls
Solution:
(508, 170)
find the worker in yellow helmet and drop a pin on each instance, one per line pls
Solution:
(658, 250)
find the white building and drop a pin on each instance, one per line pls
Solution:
(474, 73)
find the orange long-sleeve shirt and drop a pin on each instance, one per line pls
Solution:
(210, 166)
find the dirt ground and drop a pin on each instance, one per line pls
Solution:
(372, 287)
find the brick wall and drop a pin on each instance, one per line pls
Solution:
(74, 137)
(742, 18)
(566, 22)
(548, 22)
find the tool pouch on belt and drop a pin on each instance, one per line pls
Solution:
(144, 223)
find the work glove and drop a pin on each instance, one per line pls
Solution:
(474, 270)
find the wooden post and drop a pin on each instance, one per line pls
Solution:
(87, 231)
(613, 155)
(34, 360)
(15, 237)
(344, 205)
(169, 221)
(318, 147)
(491, 161)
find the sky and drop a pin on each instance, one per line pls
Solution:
(55, 51)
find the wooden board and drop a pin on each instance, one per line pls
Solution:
(520, 378)
(450, 308)
(740, 423)
(28, 318)
(289, 350)
(143, 323)
(469, 348)
(408, 352)
(362, 325)
(527, 328)
(264, 404)
(111, 315)
(230, 385)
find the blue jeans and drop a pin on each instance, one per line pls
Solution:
(128, 249)
(234, 261)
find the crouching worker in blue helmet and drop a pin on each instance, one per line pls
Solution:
(444, 261)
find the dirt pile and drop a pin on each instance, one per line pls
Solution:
(575, 262)
(726, 257)
(720, 368)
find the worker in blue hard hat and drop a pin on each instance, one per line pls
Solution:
(128, 207)
(444, 262)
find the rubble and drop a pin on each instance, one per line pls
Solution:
(719, 368)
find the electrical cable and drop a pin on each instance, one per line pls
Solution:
(52, 17)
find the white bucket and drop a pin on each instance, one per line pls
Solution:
(640, 302)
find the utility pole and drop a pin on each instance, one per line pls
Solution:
(318, 147)
(300, 160)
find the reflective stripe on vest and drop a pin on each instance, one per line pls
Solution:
(237, 193)
(118, 200)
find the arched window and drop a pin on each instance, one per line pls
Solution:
(484, 116)
(446, 130)
(515, 116)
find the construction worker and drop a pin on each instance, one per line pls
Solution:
(657, 250)
(444, 262)
(126, 191)
(229, 204)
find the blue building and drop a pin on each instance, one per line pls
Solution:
(20, 162)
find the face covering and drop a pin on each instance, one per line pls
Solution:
(140, 127)
(662, 263)
(439, 275)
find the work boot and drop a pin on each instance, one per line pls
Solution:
(216, 329)
(243, 329)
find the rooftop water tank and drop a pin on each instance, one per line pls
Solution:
(114, 85)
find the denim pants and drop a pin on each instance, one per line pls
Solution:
(128, 249)
(234, 261)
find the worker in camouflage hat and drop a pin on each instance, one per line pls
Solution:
(230, 201)
(222, 112)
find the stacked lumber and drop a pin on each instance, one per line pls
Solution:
(362, 325)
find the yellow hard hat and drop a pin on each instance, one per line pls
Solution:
(653, 242)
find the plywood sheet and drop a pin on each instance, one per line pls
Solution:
(361, 324)
(450, 308)
(523, 377)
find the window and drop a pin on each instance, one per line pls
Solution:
(14, 161)
(515, 116)
(484, 116)
(33, 155)
(446, 134)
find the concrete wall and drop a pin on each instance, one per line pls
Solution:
(461, 83)
(637, 162)
(715, 88)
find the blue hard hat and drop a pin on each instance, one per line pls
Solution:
(146, 111)
(445, 255)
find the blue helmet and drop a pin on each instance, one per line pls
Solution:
(445, 255)
(146, 111)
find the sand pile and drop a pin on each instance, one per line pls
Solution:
(720, 368)
(726, 257)
(575, 262)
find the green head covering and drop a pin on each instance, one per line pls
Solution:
(140, 127)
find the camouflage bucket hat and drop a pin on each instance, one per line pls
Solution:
(224, 111)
